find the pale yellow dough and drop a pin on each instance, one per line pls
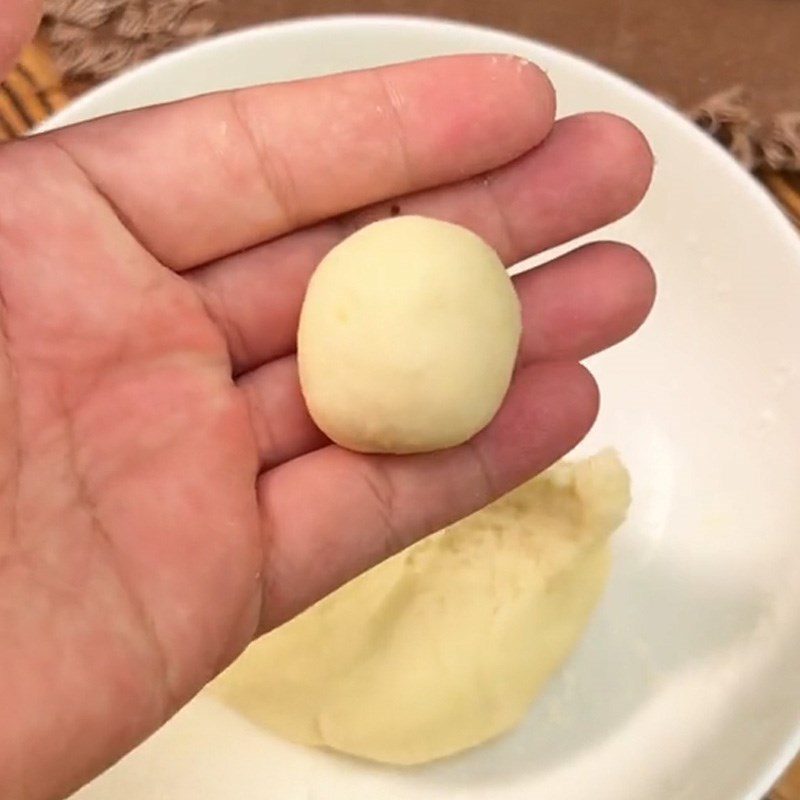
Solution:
(408, 335)
(445, 645)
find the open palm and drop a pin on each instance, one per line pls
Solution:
(165, 496)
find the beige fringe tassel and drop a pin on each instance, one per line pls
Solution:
(774, 144)
(98, 38)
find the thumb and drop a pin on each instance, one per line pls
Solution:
(18, 22)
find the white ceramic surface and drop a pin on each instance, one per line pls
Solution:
(688, 682)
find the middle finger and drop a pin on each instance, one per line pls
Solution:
(591, 170)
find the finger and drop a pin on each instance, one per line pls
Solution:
(332, 513)
(282, 427)
(584, 302)
(572, 307)
(212, 175)
(18, 22)
(592, 169)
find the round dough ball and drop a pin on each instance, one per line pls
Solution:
(445, 645)
(408, 336)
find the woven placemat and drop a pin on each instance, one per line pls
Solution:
(786, 188)
(31, 93)
(34, 91)
(789, 787)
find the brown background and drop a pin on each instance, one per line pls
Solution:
(690, 52)
(684, 50)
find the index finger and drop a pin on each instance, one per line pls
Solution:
(202, 178)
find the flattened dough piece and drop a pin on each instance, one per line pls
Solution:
(445, 645)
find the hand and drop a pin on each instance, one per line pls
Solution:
(165, 496)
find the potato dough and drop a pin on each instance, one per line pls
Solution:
(445, 645)
(408, 336)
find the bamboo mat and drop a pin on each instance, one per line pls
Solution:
(789, 787)
(30, 94)
(34, 91)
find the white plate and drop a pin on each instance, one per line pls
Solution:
(688, 682)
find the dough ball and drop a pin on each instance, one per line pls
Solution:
(408, 336)
(445, 645)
